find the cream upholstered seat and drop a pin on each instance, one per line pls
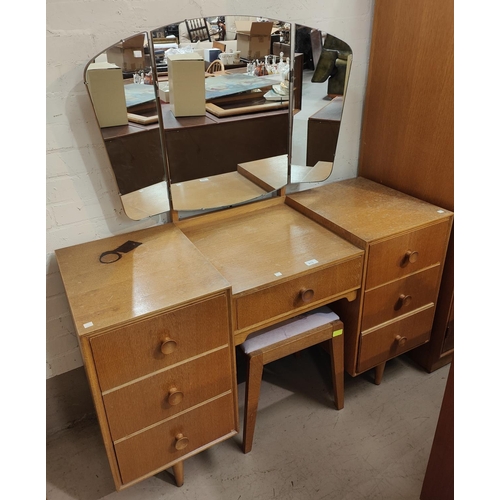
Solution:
(286, 338)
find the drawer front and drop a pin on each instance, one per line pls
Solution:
(288, 297)
(150, 451)
(391, 340)
(160, 396)
(400, 297)
(395, 258)
(146, 346)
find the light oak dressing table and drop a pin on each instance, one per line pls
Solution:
(158, 327)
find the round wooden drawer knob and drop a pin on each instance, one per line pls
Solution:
(411, 257)
(401, 340)
(168, 346)
(181, 442)
(404, 300)
(174, 396)
(306, 294)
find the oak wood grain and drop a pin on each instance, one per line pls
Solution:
(147, 401)
(407, 139)
(133, 351)
(249, 249)
(166, 270)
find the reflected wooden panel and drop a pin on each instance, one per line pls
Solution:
(212, 192)
(144, 202)
(317, 173)
(323, 128)
(200, 147)
(271, 173)
(268, 173)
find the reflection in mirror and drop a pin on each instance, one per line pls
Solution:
(316, 126)
(224, 98)
(223, 136)
(120, 85)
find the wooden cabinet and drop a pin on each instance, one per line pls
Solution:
(156, 338)
(405, 242)
(407, 138)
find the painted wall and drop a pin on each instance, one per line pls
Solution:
(82, 199)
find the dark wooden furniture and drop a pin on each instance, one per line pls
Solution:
(440, 472)
(135, 153)
(323, 129)
(407, 136)
(203, 146)
(197, 146)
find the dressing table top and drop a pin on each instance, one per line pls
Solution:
(261, 244)
(166, 270)
(365, 211)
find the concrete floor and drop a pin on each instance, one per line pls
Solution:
(376, 448)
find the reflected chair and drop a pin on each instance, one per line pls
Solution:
(198, 29)
(285, 338)
(215, 66)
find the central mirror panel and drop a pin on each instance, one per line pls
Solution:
(224, 99)
(209, 113)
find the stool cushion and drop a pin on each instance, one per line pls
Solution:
(289, 328)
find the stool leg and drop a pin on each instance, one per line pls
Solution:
(179, 473)
(254, 379)
(337, 358)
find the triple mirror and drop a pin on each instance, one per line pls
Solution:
(215, 112)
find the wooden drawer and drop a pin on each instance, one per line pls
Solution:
(148, 401)
(400, 297)
(380, 344)
(395, 258)
(287, 297)
(135, 350)
(149, 452)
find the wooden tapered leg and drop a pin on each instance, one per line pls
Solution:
(337, 360)
(379, 372)
(252, 392)
(179, 473)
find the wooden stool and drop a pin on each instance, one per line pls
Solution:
(286, 338)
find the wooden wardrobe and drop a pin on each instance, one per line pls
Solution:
(407, 135)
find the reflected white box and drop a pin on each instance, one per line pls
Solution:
(186, 79)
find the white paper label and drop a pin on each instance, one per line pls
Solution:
(310, 262)
(88, 325)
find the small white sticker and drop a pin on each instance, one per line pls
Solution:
(440, 211)
(278, 274)
(310, 262)
(205, 179)
(88, 325)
